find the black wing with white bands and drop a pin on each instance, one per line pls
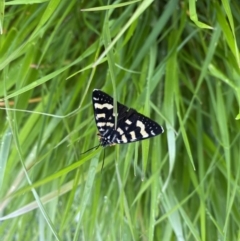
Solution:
(131, 125)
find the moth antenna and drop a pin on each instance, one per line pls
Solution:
(103, 159)
(91, 149)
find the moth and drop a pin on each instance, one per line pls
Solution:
(130, 126)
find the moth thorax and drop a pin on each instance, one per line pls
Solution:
(104, 141)
(109, 137)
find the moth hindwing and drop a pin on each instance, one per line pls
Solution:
(131, 125)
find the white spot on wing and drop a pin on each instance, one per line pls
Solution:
(128, 122)
(110, 124)
(95, 98)
(101, 124)
(102, 115)
(142, 129)
(120, 131)
(124, 139)
(152, 132)
(101, 106)
(133, 136)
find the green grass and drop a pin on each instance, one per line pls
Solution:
(177, 62)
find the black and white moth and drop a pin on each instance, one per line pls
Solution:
(131, 125)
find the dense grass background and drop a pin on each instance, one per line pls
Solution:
(174, 61)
